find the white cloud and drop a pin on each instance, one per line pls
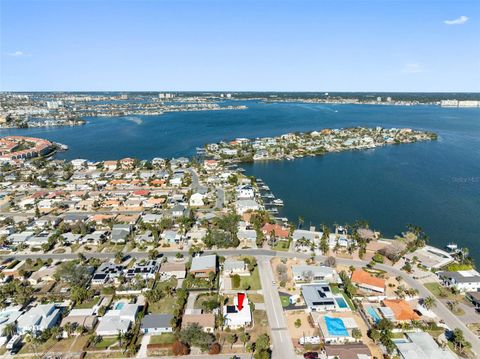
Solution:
(459, 21)
(412, 68)
(18, 54)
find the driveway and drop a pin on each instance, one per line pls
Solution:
(142, 352)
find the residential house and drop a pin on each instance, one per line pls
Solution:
(277, 230)
(118, 319)
(368, 282)
(320, 298)
(236, 317)
(347, 351)
(173, 269)
(205, 320)
(244, 205)
(464, 281)
(146, 270)
(305, 273)
(38, 318)
(231, 267)
(9, 315)
(120, 233)
(400, 309)
(106, 272)
(421, 345)
(80, 318)
(196, 200)
(157, 324)
(202, 266)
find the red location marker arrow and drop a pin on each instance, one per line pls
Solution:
(240, 299)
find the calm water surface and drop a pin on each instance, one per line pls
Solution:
(435, 185)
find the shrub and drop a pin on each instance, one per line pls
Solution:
(178, 348)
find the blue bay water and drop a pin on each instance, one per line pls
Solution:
(435, 185)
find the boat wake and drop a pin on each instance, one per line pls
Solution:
(136, 120)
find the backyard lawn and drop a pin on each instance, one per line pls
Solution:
(87, 303)
(252, 282)
(106, 342)
(166, 338)
(165, 305)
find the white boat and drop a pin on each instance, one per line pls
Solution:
(452, 247)
(277, 202)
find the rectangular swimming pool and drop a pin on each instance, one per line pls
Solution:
(335, 326)
(341, 303)
(372, 313)
(119, 305)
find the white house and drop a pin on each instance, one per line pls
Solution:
(235, 318)
(244, 205)
(196, 200)
(464, 281)
(38, 318)
(118, 319)
(245, 192)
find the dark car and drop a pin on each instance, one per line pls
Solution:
(311, 355)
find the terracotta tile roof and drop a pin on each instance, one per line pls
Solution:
(279, 230)
(401, 309)
(361, 277)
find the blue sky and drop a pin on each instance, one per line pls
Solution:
(329, 45)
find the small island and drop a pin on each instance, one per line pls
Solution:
(295, 145)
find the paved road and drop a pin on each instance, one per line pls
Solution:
(440, 310)
(220, 198)
(280, 337)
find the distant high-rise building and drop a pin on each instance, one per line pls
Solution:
(229, 95)
(379, 99)
(124, 97)
(389, 99)
(161, 95)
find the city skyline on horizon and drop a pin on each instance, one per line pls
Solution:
(207, 47)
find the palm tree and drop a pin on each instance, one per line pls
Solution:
(9, 330)
(429, 302)
(120, 338)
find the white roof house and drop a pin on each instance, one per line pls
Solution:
(118, 319)
(421, 346)
(196, 200)
(9, 315)
(302, 273)
(244, 205)
(235, 318)
(38, 318)
(235, 267)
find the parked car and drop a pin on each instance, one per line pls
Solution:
(311, 355)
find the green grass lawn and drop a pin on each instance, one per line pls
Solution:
(106, 342)
(349, 301)
(87, 303)
(166, 338)
(437, 289)
(285, 301)
(256, 298)
(205, 298)
(252, 282)
(334, 288)
(281, 246)
(165, 305)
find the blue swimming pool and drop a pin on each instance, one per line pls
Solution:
(376, 318)
(119, 305)
(335, 326)
(341, 303)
